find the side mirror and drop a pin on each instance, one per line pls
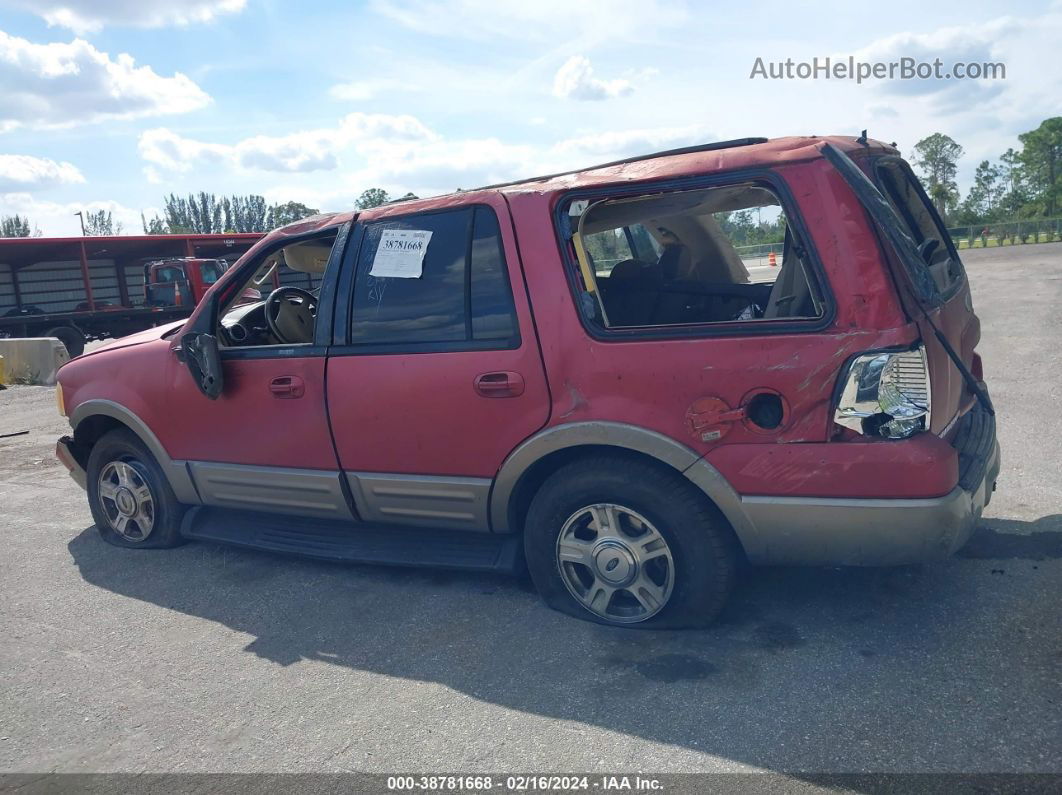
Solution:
(204, 362)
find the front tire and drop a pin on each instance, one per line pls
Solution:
(624, 542)
(130, 498)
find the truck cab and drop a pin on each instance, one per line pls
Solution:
(180, 281)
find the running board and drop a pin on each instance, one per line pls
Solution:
(356, 543)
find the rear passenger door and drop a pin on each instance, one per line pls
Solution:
(434, 378)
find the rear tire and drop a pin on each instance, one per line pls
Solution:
(624, 542)
(73, 339)
(130, 498)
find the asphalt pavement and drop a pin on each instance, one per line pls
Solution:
(207, 658)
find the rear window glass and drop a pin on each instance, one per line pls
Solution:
(912, 205)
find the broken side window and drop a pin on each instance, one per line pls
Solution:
(708, 256)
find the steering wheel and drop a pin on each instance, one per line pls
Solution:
(290, 313)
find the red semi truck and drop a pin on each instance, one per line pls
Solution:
(80, 289)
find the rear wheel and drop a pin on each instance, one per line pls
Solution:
(625, 542)
(131, 501)
(73, 339)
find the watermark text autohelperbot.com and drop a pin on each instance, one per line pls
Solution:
(852, 69)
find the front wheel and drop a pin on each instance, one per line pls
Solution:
(130, 499)
(625, 542)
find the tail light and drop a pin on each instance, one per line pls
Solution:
(886, 394)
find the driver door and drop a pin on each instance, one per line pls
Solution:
(264, 443)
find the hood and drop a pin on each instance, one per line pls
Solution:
(148, 335)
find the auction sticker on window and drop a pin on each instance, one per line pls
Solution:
(401, 253)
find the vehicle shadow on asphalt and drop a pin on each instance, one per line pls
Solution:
(806, 669)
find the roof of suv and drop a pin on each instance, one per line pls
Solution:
(705, 159)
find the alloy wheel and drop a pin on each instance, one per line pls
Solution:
(615, 563)
(126, 500)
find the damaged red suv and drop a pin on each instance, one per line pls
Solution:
(591, 374)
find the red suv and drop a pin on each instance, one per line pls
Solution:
(629, 378)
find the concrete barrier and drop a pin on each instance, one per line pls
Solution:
(33, 360)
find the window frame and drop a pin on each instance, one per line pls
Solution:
(233, 282)
(341, 343)
(730, 328)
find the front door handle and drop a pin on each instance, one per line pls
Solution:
(499, 385)
(287, 386)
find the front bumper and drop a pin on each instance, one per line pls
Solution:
(878, 532)
(64, 451)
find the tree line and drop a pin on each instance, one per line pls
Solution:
(1023, 183)
(202, 213)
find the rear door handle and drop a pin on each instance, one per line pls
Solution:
(499, 385)
(287, 386)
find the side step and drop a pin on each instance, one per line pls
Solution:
(356, 543)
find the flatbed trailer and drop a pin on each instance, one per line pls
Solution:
(85, 288)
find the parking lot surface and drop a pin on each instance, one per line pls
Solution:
(208, 658)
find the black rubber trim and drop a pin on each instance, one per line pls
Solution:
(304, 350)
(974, 441)
(356, 542)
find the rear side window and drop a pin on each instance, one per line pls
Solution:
(921, 221)
(691, 258)
(462, 296)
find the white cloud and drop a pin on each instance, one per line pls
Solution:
(66, 84)
(575, 80)
(984, 116)
(22, 172)
(444, 166)
(299, 152)
(167, 149)
(397, 153)
(613, 145)
(976, 43)
(57, 219)
(90, 16)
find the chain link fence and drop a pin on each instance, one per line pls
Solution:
(760, 254)
(1007, 233)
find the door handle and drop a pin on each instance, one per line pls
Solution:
(287, 386)
(499, 385)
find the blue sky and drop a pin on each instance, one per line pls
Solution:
(114, 103)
